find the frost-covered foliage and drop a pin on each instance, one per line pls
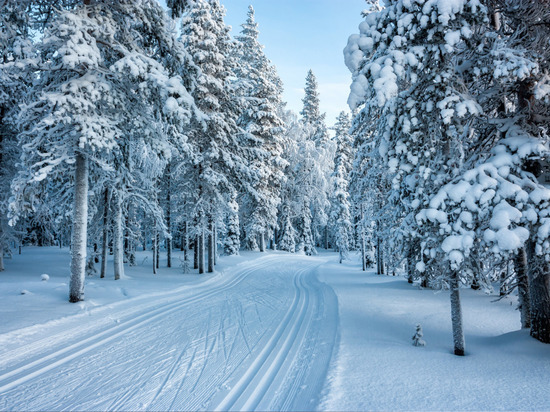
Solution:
(261, 140)
(218, 165)
(458, 100)
(417, 337)
(341, 214)
(322, 155)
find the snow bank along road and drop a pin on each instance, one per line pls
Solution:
(259, 336)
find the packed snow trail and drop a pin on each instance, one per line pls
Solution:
(260, 336)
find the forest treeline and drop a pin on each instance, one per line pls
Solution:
(126, 125)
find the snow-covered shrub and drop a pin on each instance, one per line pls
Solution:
(417, 338)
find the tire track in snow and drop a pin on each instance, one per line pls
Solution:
(45, 362)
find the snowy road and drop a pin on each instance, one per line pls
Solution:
(259, 336)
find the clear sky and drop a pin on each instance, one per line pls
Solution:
(299, 35)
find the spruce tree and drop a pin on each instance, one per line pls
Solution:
(341, 216)
(262, 128)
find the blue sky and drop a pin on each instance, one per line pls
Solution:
(299, 35)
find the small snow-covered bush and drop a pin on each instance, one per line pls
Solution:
(45, 277)
(417, 338)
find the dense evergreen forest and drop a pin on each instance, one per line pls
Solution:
(125, 125)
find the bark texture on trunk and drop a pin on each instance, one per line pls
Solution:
(520, 263)
(105, 238)
(262, 242)
(118, 238)
(539, 294)
(155, 251)
(169, 218)
(201, 252)
(196, 252)
(456, 315)
(80, 230)
(210, 245)
(1, 243)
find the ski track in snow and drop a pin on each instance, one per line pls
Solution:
(260, 338)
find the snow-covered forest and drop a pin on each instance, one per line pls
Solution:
(137, 136)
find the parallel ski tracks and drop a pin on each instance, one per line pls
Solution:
(30, 369)
(251, 389)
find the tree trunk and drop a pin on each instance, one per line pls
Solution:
(80, 230)
(262, 242)
(215, 248)
(326, 237)
(185, 246)
(539, 294)
(155, 251)
(196, 252)
(210, 245)
(118, 238)
(1, 241)
(520, 262)
(105, 239)
(157, 246)
(168, 219)
(456, 315)
(410, 262)
(379, 268)
(363, 242)
(201, 251)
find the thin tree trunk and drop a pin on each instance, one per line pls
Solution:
(326, 237)
(155, 251)
(363, 243)
(105, 239)
(2, 247)
(410, 263)
(262, 242)
(210, 245)
(118, 238)
(80, 230)
(215, 245)
(169, 219)
(196, 252)
(201, 251)
(157, 245)
(456, 315)
(185, 245)
(539, 294)
(520, 262)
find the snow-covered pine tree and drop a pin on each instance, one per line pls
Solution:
(410, 72)
(306, 235)
(341, 216)
(233, 239)
(65, 123)
(323, 155)
(158, 110)
(311, 112)
(261, 98)
(218, 164)
(505, 205)
(287, 241)
(291, 190)
(418, 336)
(16, 50)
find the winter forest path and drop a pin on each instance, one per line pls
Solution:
(260, 336)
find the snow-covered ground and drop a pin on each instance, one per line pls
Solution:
(267, 331)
